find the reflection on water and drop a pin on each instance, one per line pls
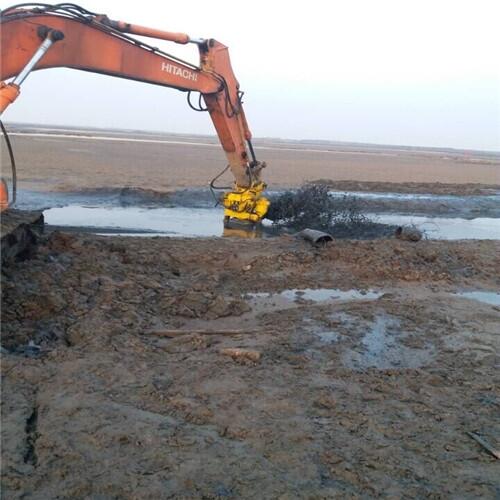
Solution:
(322, 294)
(382, 347)
(263, 302)
(205, 222)
(178, 221)
(447, 228)
(492, 298)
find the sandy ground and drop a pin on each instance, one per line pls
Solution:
(134, 393)
(170, 162)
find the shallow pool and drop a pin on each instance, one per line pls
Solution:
(205, 222)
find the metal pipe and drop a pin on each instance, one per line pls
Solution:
(52, 36)
(315, 237)
(197, 41)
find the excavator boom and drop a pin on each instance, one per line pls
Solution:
(65, 35)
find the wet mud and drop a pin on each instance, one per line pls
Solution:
(230, 368)
(152, 367)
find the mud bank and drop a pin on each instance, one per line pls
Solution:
(476, 203)
(170, 369)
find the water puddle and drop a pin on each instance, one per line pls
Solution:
(328, 294)
(205, 222)
(363, 344)
(492, 298)
(382, 349)
(328, 337)
(446, 228)
(191, 213)
(176, 221)
(413, 196)
(287, 299)
(442, 205)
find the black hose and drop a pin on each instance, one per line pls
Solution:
(84, 16)
(12, 163)
(200, 104)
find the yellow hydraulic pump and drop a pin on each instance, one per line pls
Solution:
(246, 203)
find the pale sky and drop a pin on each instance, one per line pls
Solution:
(423, 73)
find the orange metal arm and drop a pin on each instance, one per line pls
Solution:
(97, 44)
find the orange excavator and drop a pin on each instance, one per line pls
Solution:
(40, 36)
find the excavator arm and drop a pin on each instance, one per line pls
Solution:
(65, 35)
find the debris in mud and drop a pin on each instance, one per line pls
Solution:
(408, 233)
(312, 207)
(20, 232)
(205, 304)
(179, 333)
(494, 452)
(242, 355)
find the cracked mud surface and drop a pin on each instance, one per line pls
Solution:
(349, 398)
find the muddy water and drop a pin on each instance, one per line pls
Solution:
(380, 343)
(447, 228)
(382, 347)
(191, 212)
(486, 205)
(287, 299)
(178, 221)
(466, 207)
(206, 222)
(492, 298)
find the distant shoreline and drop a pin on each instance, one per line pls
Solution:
(83, 130)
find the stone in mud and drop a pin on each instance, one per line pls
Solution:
(221, 307)
(200, 304)
(162, 382)
(38, 306)
(242, 355)
(324, 402)
(90, 326)
(191, 304)
(408, 233)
